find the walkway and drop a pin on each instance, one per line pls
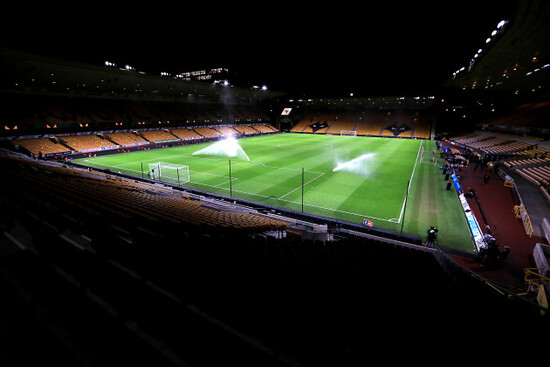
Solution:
(496, 203)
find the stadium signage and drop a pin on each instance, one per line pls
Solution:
(135, 144)
(368, 223)
(96, 149)
(472, 222)
(164, 141)
(473, 225)
(457, 184)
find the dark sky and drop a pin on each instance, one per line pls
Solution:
(389, 48)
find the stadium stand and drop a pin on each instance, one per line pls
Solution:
(525, 162)
(226, 130)
(96, 141)
(245, 130)
(386, 133)
(325, 120)
(368, 123)
(522, 155)
(185, 133)
(344, 121)
(539, 175)
(40, 146)
(85, 142)
(126, 199)
(300, 126)
(501, 146)
(157, 135)
(207, 132)
(125, 138)
(264, 128)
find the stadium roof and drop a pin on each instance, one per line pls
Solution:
(33, 74)
(375, 49)
(514, 57)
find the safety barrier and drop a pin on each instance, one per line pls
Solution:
(521, 212)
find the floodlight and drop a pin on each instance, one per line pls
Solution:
(501, 24)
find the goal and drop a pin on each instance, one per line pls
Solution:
(348, 133)
(169, 172)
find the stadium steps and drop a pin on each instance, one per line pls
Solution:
(141, 136)
(62, 142)
(170, 132)
(107, 138)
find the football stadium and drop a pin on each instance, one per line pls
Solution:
(202, 218)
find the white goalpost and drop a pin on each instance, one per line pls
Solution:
(348, 133)
(169, 172)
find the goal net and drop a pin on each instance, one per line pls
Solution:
(348, 133)
(169, 172)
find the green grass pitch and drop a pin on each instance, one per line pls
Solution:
(371, 183)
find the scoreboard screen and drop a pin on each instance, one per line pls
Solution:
(286, 111)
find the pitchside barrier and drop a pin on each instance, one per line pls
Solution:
(519, 210)
(473, 225)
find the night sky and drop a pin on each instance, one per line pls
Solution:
(306, 50)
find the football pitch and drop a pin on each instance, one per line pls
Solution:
(348, 178)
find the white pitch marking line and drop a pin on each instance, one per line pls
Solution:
(299, 187)
(392, 220)
(410, 182)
